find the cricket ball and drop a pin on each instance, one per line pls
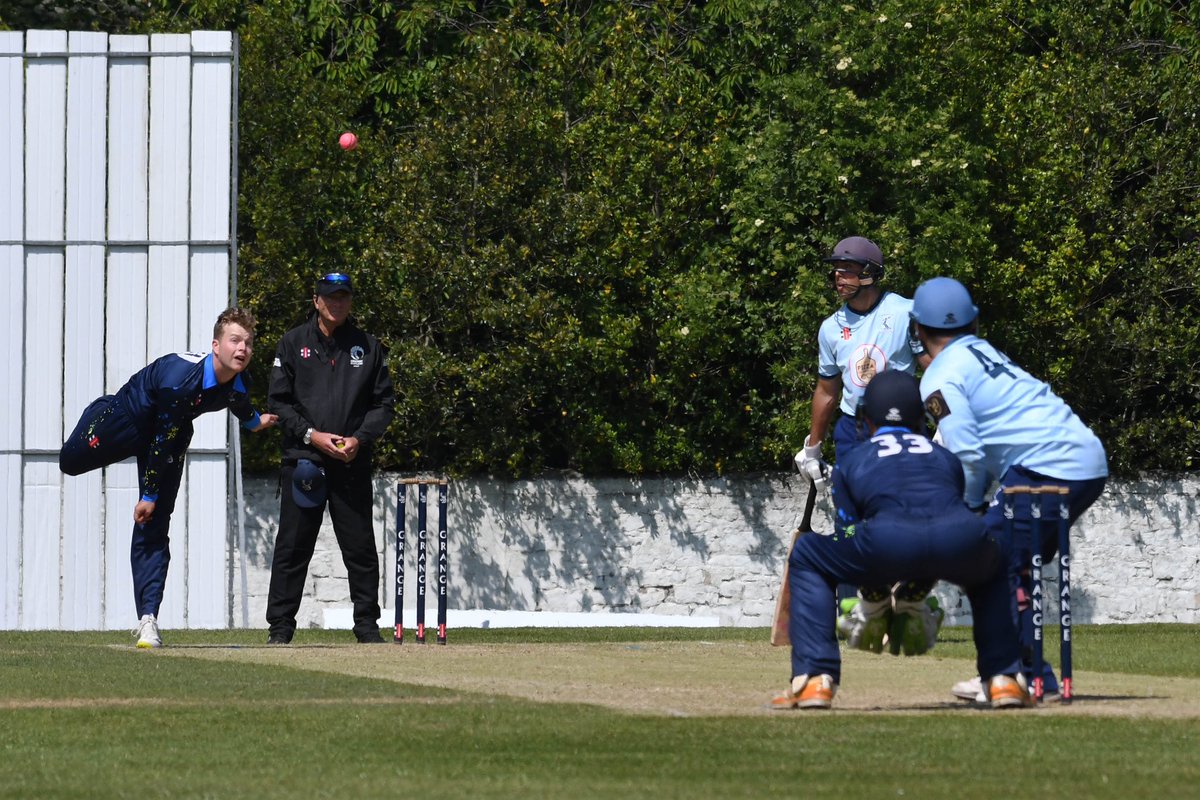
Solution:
(348, 141)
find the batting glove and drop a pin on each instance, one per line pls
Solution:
(809, 463)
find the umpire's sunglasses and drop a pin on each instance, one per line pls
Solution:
(334, 282)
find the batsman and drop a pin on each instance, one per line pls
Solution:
(868, 334)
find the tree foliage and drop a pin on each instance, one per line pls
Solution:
(590, 232)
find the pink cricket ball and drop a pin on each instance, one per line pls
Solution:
(348, 141)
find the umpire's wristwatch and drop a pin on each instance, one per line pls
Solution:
(308, 436)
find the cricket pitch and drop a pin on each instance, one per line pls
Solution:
(697, 678)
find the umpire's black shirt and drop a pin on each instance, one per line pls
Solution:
(337, 384)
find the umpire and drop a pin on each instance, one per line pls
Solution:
(332, 392)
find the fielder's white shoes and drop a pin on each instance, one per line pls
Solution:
(147, 632)
(971, 690)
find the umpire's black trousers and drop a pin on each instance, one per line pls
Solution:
(349, 498)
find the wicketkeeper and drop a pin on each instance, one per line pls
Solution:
(899, 515)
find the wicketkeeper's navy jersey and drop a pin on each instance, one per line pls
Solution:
(896, 472)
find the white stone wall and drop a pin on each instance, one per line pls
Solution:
(702, 547)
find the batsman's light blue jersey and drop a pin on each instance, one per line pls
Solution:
(858, 346)
(994, 415)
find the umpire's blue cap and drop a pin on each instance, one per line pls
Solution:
(308, 484)
(332, 283)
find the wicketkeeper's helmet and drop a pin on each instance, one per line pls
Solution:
(894, 398)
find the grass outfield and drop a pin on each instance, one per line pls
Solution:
(579, 713)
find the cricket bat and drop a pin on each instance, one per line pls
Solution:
(783, 615)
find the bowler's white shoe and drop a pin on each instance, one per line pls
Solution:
(147, 632)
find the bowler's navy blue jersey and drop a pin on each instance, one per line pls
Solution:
(183, 386)
(896, 473)
(167, 394)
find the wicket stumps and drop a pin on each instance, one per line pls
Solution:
(1036, 493)
(422, 485)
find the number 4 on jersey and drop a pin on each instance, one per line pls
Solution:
(992, 368)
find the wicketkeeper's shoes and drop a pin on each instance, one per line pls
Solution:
(1009, 691)
(806, 692)
(147, 632)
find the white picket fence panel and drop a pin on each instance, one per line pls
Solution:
(117, 245)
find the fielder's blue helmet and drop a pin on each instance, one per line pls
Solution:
(943, 303)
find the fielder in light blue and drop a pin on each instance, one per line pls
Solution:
(1006, 427)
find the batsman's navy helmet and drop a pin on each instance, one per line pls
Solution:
(943, 303)
(894, 398)
(861, 251)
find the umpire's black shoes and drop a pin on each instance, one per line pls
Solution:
(369, 637)
(279, 638)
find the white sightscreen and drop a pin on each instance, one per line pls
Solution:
(116, 247)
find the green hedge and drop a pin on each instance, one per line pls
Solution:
(591, 232)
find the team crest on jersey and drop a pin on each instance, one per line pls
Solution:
(935, 404)
(865, 369)
(356, 356)
(866, 361)
(305, 352)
